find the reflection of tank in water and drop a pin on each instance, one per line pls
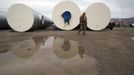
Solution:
(66, 49)
(27, 47)
(24, 48)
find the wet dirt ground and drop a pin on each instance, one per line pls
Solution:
(66, 53)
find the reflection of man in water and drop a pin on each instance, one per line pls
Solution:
(66, 45)
(83, 23)
(81, 52)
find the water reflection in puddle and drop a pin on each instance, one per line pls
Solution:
(45, 56)
(66, 49)
(132, 38)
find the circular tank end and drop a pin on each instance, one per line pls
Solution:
(98, 16)
(20, 17)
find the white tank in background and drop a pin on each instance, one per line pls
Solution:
(22, 18)
(98, 16)
(60, 9)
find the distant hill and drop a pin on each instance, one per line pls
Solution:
(126, 20)
(129, 20)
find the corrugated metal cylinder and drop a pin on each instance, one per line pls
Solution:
(3, 21)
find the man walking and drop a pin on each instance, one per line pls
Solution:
(83, 23)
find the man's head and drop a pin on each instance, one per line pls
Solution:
(84, 13)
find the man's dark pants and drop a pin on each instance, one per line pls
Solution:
(82, 27)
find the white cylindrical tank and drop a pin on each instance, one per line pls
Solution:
(3, 21)
(60, 9)
(98, 16)
(22, 18)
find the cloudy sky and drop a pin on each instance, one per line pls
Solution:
(119, 8)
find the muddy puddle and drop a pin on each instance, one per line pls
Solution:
(45, 56)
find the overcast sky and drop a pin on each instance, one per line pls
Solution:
(119, 8)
